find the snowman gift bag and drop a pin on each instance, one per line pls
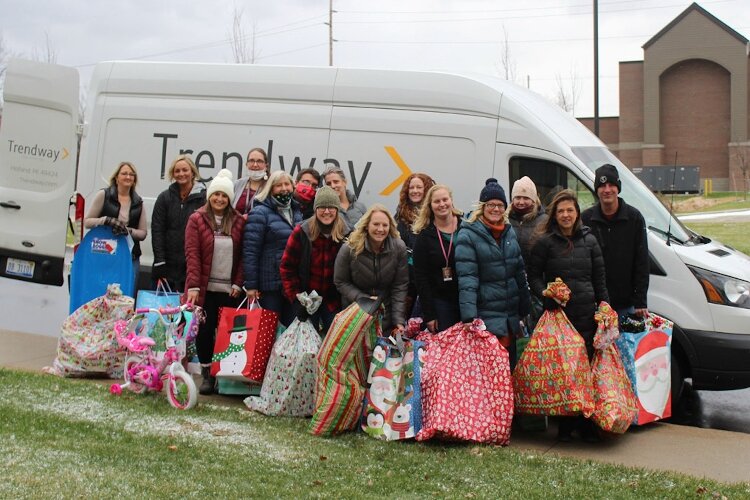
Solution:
(645, 348)
(244, 339)
(392, 408)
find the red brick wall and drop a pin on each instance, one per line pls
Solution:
(695, 116)
(631, 102)
(609, 131)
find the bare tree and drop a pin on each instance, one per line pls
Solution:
(507, 66)
(243, 45)
(48, 53)
(568, 91)
(743, 163)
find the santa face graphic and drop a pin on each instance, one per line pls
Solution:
(653, 374)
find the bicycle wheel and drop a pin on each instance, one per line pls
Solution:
(181, 390)
(135, 387)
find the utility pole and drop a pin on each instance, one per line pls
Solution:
(596, 68)
(330, 32)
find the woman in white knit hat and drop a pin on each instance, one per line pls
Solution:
(213, 249)
(525, 213)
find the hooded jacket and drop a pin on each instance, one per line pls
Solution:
(383, 274)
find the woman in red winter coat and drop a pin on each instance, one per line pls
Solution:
(213, 249)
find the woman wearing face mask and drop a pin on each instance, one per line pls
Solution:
(491, 279)
(436, 228)
(308, 180)
(246, 188)
(351, 209)
(267, 231)
(373, 265)
(309, 257)
(213, 239)
(410, 199)
(172, 208)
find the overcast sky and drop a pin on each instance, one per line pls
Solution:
(547, 39)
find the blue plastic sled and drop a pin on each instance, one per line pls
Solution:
(102, 258)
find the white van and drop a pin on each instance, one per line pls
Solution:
(377, 126)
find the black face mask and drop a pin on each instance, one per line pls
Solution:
(283, 198)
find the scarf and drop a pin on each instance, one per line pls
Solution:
(495, 229)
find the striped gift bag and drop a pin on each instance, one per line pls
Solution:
(343, 360)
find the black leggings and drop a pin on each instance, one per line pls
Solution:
(206, 339)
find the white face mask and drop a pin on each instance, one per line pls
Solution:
(258, 175)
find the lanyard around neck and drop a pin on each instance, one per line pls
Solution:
(442, 246)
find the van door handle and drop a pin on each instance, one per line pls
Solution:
(10, 204)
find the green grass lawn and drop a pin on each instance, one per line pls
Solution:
(65, 438)
(734, 234)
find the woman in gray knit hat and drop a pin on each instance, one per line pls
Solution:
(309, 256)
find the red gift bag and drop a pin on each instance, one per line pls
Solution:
(553, 375)
(244, 339)
(466, 387)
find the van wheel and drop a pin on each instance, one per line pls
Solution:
(678, 382)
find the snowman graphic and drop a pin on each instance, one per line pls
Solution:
(233, 359)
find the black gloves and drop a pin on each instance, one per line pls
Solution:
(159, 272)
(550, 304)
(118, 227)
(300, 311)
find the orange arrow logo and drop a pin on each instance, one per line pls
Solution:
(65, 154)
(401, 164)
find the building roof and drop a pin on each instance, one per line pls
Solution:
(697, 8)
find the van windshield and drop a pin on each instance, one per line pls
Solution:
(637, 194)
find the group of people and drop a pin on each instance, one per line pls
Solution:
(267, 237)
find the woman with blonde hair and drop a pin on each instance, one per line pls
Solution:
(491, 278)
(525, 214)
(171, 211)
(373, 264)
(121, 208)
(435, 229)
(269, 225)
(309, 257)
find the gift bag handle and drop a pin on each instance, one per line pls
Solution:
(162, 287)
(253, 304)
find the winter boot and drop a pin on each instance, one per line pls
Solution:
(209, 382)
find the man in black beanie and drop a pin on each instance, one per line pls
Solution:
(621, 232)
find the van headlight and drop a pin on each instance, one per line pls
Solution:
(724, 290)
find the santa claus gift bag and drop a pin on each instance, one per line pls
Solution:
(393, 403)
(614, 400)
(645, 348)
(466, 387)
(553, 375)
(289, 384)
(244, 339)
(342, 368)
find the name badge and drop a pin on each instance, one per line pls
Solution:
(447, 274)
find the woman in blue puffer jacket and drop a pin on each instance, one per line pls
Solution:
(269, 225)
(491, 279)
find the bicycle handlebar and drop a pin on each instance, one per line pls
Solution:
(164, 311)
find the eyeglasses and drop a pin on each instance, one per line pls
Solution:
(494, 206)
(327, 209)
(308, 183)
(256, 162)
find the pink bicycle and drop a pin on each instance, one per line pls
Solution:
(146, 369)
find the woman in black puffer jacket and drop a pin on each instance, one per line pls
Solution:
(568, 250)
(169, 218)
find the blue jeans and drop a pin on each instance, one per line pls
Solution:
(275, 301)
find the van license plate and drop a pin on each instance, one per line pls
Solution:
(18, 267)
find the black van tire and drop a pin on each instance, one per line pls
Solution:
(678, 381)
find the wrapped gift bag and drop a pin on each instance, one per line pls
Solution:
(289, 385)
(466, 387)
(342, 364)
(162, 297)
(88, 344)
(393, 403)
(553, 375)
(614, 400)
(646, 355)
(244, 339)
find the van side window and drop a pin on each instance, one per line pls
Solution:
(550, 177)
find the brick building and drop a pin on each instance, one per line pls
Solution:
(690, 97)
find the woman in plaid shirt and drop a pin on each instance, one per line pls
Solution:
(307, 263)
